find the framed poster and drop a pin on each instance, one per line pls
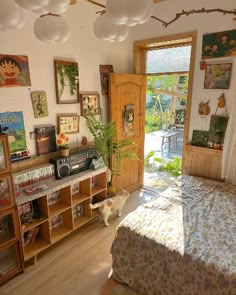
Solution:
(39, 102)
(219, 44)
(218, 125)
(66, 81)
(14, 71)
(67, 123)
(217, 76)
(15, 129)
(89, 104)
(104, 77)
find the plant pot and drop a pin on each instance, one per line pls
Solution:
(64, 152)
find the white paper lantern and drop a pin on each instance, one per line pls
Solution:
(32, 4)
(129, 12)
(11, 16)
(45, 6)
(107, 31)
(51, 29)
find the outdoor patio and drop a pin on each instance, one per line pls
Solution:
(155, 180)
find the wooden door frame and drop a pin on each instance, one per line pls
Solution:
(140, 49)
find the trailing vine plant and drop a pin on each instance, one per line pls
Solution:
(71, 72)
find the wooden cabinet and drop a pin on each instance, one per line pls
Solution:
(60, 209)
(10, 247)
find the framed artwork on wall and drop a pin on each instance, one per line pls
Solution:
(39, 102)
(66, 81)
(90, 104)
(14, 71)
(219, 44)
(217, 76)
(67, 123)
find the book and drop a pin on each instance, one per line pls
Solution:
(35, 188)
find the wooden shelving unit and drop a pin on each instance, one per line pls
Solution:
(64, 207)
(11, 261)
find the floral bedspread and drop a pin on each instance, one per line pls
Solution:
(182, 242)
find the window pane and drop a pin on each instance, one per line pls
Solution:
(168, 60)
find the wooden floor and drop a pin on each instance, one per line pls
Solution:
(77, 265)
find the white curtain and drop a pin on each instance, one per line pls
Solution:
(229, 152)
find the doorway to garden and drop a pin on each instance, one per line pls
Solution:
(167, 71)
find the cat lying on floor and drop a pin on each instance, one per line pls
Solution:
(108, 206)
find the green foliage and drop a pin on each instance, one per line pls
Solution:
(106, 142)
(71, 72)
(173, 167)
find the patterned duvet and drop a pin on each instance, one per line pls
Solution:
(183, 242)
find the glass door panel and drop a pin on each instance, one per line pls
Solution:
(7, 230)
(6, 199)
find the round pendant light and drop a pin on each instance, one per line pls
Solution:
(129, 12)
(45, 6)
(51, 28)
(105, 30)
(11, 16)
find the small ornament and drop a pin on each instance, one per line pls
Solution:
(203, 65)
(221, 101)
(204, 108)
(84, 140)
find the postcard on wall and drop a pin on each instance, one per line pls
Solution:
(14, 123)
(104, 77)
(14, 71)
(219, 44)
(39, 102)
(217, 76)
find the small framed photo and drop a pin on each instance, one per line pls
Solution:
(90, 104)
(66, 81)
(67, 123)
(39, 102)
(217, 76)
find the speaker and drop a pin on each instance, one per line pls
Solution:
(62, 167)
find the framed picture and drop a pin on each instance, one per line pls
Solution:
(217, 76)
(104, 77)
(67, 123)
(66, 81)
(14, 71)
(39, 102)
(90, 104)
(219, 44)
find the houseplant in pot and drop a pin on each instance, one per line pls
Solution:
(110, 148)
(63, 144)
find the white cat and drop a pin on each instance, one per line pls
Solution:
(108, 206)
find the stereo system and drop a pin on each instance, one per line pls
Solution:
(74, 163)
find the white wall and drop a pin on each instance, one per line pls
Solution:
(202, 24)
(89, 52)
(82, 47)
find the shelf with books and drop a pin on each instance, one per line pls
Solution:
(59, 201)
(62, 208)
(35, 240)
(61, 225)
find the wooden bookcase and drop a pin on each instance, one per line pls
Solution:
(11, 261)
(63, 207)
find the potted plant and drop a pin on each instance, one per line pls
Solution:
(63, 144)
(110, 148)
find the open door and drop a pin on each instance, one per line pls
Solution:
(127, 109)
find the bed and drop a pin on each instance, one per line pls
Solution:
(182, 242)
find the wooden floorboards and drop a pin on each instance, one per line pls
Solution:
(77, 265)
